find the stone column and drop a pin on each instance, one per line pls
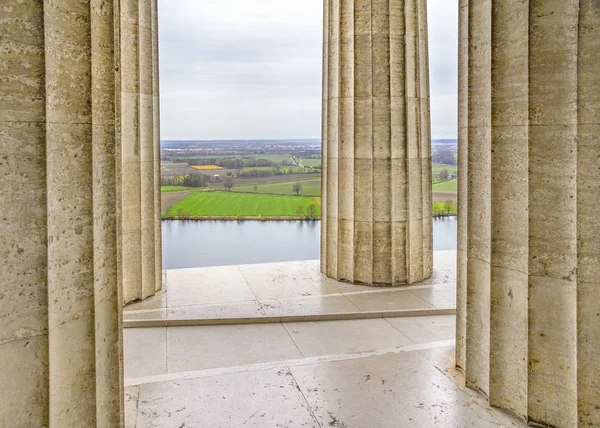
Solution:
(533, 236)
(140, 151)
(156, 145)
(376, 226)
(61, 212)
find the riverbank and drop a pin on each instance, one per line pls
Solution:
(240, 218)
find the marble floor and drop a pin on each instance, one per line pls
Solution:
(284, 290)
(394, 372)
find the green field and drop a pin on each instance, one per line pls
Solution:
(309, 188)
(311, 162)
(437, 168)
(446, 186)
(274, 158)
(231, 204)
(167, 189)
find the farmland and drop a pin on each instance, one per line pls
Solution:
(309, 188)
(437, 168)
(446, 186)
(168, 189)
(207, 167)
(230, 204)
(313, 163)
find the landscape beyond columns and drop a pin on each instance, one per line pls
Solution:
(81, 234)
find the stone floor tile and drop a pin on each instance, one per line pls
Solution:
(203, 286)
(244, 309)
(440, 296)
(388, 301)
(145, 351)
(426, 329)
(393, 390)
(285, 280)
(199, 348)
(131, 405)
(262, 399)
(343, 337)
(312, 305)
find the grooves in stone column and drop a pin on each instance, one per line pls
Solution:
(330, 198)
(509, 200)
(376, 231)
(553, 45)
(463, 146)
(478, 214)
(72, 377)
(509, 150)
(398, 138)
(107, 297)
(156, 135)
(324, 157)
(146, 138)
(588, 221)
(345, 137)
(23, 247)
(545, 249)
(131, 263)
(425, 139)
(381, 234)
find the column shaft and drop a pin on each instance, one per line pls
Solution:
(463, 142)
(478, 195)
(140, 151)
(62, 209)
(376, 157)
(509, 216)
(537, 308)
(131, 192)
(588, 221)
(23, 247)
(156, 147)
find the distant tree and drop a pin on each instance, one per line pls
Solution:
(448, 205)
(300, 210)
(311, 211)
(444, 174)
(297, 187)
(255, 188)
(228, 183)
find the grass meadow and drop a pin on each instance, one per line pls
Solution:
(231, 204)
(309, 188)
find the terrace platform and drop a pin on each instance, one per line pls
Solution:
(286, 376)
(289, 291)
(297, 350)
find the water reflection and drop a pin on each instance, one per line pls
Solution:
(189, 244)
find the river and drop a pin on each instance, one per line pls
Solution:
(188, 244)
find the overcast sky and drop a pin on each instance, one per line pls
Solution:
(251, 69)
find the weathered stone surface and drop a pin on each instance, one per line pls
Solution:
(527, 309)
(376, 223)
(61, 210)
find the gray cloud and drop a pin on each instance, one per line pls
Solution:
(252, 68)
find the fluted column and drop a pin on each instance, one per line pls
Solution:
(60, 348)
(377, 226)
(62, 210)
(463, 144)
(140, 150)
(533, 238)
